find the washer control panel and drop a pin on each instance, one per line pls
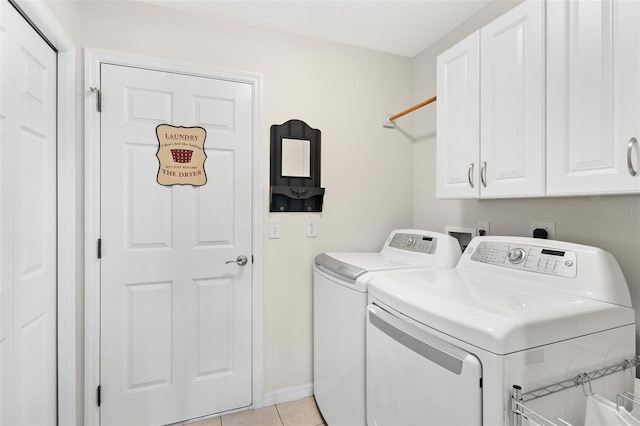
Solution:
(414, 243)
(527, 258)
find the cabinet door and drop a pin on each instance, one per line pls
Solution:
(458, 120)
(512, 103)
(593, 96)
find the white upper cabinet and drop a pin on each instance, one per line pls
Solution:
(593, 93)
(512, 101)
(490, 140)
(458, 139)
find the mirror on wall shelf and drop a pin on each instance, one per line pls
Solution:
(295, 168)
(296, 158)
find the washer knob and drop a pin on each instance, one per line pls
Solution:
(411, 242)
(516, 255)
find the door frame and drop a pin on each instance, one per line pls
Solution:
(44, 21)
(92, 60)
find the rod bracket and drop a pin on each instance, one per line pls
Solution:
(389, 124)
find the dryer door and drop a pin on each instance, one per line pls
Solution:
(415, 378)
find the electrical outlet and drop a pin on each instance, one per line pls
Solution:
(312, 228)
(274, 228)
(550, 227)
(483, 228)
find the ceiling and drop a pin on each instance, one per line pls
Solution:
(393, 26)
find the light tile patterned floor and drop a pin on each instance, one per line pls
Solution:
(303, 412)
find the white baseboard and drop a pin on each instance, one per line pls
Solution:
(273, 397)
(287, 394)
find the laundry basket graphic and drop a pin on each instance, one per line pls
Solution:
(181, 155)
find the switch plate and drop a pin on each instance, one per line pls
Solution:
(550, 227)
(274, 228)
(312, 227)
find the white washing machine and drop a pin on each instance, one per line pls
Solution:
(339, 315)
(445, 346)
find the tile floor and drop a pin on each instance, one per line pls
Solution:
(303, 412)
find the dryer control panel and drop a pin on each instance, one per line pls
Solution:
(527, 258)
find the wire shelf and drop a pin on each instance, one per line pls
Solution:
(518, 398)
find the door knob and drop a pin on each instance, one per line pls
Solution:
(241, 260)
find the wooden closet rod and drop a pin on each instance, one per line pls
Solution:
(413, 108)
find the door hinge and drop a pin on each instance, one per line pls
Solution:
(99, 248)
(98, 395)
(98, 93)
(480, 381)
(252, 259)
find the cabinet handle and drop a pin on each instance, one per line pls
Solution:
(470, 175)
(483, 174)
(632, 142)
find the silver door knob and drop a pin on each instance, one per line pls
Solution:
(241, 260)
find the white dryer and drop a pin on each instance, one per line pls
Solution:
(445, 347)
(339, 315)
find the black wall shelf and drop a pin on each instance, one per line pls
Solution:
(295, 193)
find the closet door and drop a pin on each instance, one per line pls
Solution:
(458, 120)
(594, 95)
(28, 241)
(513, 103)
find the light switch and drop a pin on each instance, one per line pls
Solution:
(312, 228)
(274, 228)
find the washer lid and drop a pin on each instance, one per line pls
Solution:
(352, 265)
(404, 248)
(498, 315)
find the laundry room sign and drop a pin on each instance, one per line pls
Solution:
(181, 155)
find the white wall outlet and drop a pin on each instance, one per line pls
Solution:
(312, 227)
(274, 228)
(550, 227)
(483, 228)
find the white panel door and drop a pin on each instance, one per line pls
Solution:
(594, 97)
(27, 224)
(175, 314)
(458, 139)
(513, 103)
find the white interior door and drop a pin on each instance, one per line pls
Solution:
(175, 315)
(27, 224)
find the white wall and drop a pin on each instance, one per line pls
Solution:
(345, 92)
(611, 222)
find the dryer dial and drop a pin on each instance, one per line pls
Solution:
(516, 255)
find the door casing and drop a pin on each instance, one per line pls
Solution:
(41, 18)
(92, 60)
